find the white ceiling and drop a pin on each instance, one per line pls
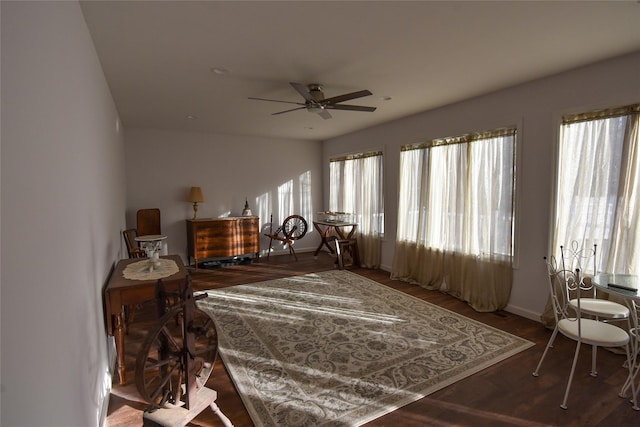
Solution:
(158, 56)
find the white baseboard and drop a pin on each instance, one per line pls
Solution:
(285, 251)
(107, 380)
(527, 314)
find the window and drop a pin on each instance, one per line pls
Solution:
(597, 186)
(456, 216)
(456, 194)
(356, 187)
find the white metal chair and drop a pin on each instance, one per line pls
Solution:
(573, 326)
(573, 258)
(634, 335)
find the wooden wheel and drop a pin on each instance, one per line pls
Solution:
(162, 360)
(295, 227)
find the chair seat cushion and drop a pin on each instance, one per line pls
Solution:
(601, 308)
(594, 332)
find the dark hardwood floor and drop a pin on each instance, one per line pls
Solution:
(505, 394)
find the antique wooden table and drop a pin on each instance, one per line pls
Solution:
(325, 228)
(121, 292)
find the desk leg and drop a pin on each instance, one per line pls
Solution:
(323, 235)
(119, 337)
(318, 250)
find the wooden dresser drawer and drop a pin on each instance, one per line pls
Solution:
(222, 237)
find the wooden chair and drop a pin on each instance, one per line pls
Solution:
(148, 222)
(133, 249)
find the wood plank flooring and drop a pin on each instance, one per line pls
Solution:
(505, 394)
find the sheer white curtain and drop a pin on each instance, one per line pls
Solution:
(598, 180)
(455, 217)
(356, 187)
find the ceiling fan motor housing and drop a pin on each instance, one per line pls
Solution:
(315, 90)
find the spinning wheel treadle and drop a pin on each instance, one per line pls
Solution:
(293, 228)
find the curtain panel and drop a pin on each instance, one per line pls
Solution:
(597, 187)
(455, 217)
(597, 190)
(356, 187)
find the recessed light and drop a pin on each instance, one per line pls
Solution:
(385, 98)
(221, 71)
(308, 128)
(191, 117)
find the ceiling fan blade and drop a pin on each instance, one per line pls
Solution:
(286, 111)
(277, 100)
(350, 107)
(346, 97)
(324, 114)
(303, 90)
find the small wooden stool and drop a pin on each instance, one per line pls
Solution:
(346, 246)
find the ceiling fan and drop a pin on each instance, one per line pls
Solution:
(315, 101)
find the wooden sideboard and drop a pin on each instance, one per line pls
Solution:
(222, 237)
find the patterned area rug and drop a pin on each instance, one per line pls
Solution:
(337, 349)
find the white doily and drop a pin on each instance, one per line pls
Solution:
(142, 270)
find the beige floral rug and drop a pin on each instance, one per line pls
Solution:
(337, 349)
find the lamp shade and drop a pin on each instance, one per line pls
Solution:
(195, 195)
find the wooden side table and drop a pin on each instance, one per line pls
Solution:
(325, 228)
(121, 292)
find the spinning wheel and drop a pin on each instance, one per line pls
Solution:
(293, 228)
(178, 354)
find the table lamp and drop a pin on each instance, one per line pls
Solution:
(195, 197)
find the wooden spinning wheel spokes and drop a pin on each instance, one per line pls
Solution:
(162, 361)
(294, 227)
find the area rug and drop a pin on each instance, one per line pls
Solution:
(337, 349)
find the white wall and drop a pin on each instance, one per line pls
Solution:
(535, 108)
(163, 165)
(63, 204)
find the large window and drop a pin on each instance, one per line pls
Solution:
(456, 216)
(457, 194)
(356, 187)
(597, 185)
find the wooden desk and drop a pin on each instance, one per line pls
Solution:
(121, 292)
(325, 229)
